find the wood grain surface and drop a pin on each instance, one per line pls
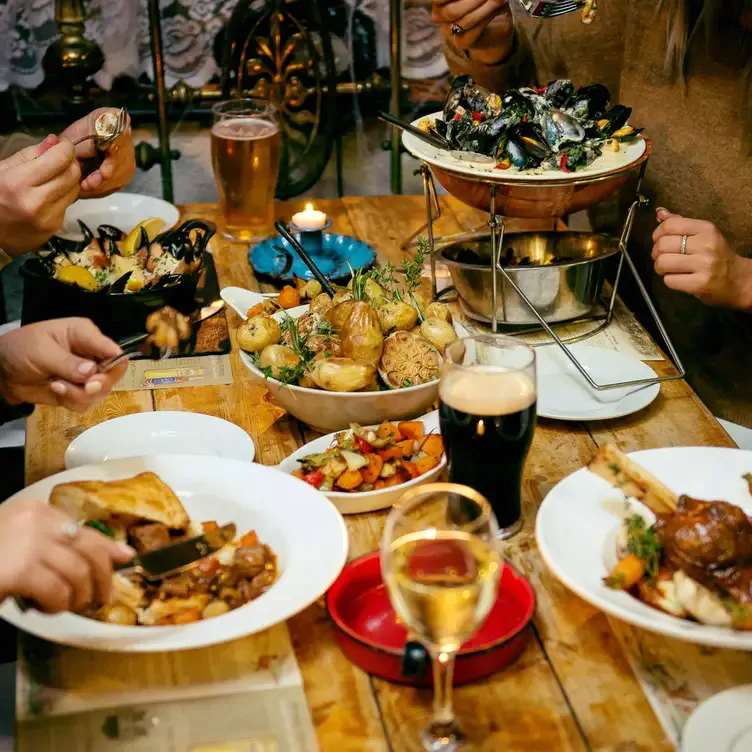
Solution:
(579, 685)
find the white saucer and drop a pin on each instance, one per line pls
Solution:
(121, 210)
(563, 394)
(160, 432)
(722, 723)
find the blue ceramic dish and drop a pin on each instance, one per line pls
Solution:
(273, 258)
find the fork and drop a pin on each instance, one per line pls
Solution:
(102, 142)
(540, 9)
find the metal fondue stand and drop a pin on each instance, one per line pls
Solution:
(495, 181)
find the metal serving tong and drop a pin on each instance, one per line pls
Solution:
(133, 345)
(437, 141)
(284, 231)
(554, 8)
(103, 135)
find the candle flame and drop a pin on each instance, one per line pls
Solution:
(309, 207)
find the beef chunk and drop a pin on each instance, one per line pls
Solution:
(259, 584)
(249, 561)
(145, 538)
(182, 586)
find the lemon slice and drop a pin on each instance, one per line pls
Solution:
(152, 226)
(77, 275)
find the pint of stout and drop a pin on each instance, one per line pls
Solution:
(245, 145)
(487, 409)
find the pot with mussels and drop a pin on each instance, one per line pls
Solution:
(371, 353)
(547, 151)
(116, 279)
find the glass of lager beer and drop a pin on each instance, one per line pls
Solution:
(245, 145)
(487, 411)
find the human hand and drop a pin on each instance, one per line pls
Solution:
(43, 563)
(119, 162)
(474, 17)
(37, 185)
(55, 363)
(709, 269)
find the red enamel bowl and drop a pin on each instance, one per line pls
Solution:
(369, 634)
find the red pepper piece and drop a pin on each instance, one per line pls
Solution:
(457, 116)
(315, 478)
(524, 118)
(477, 117)
(563, 163)
(364, 446)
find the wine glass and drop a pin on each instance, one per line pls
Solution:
(441, 566)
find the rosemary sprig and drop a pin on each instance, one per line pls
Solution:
(642, 541)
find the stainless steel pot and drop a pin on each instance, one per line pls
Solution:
(563, 277)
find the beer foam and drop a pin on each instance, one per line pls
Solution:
(244, 129)
(487, 391)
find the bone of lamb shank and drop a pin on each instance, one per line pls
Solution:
(712, 542)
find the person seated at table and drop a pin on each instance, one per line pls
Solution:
(684, 68)
(39, 181)
(44, 558)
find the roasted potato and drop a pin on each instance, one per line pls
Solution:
(321, 343)
(339, 313)
(362, 338)
(418, 301)
(373, 290)
(341, 294)
(437, 311)
(311, 289)
(438, 332)
(277, 357)
(342, 374)
(258, 332)
(397, 315)
(320, 304)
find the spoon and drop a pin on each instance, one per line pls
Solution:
(132, 345)
(284, 231)
(435, 141)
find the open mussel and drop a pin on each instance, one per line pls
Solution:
(614, 119)
(466, 97)
(560, 128)
(589, 102)
(531, 139)
(559, 92)
(179, 243)
(514, 103)
(118, 286)
(454, 97)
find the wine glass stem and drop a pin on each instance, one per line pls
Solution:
(443, 672)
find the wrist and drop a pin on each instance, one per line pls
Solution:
(497, 42)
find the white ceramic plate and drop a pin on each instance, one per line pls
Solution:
(335, 411)
(607, 162)
(578, 521)
(300, 524)
(368, 501)
(563, 394)
(121, 210)
(160, 432)
(721, 724)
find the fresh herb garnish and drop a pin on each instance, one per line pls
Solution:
(642, 541)
(406, 383)
(101, 527)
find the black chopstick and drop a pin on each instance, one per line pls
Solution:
(284, 231)
(417, 132)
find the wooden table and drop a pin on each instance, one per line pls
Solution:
(575, 687)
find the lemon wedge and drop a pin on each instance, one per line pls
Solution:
(152, 226)
(77, 275)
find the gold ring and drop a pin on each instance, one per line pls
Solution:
(683, 249)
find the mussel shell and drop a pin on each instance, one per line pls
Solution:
(560, 128)
(531, 139)
(517, 155)
(119, 284)
(590, 101)
(559, 92)
(454, 96)
(583, 154)
(477, 99)
(478, 137)
(513, 102)
(166, 281)
(110, 232)
(617, 118)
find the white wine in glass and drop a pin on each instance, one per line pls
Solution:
(441, 566)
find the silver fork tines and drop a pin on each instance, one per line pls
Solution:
(539, 9)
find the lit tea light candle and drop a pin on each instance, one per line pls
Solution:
(310, 219)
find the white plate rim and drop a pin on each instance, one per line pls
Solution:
(439, 158)
(708, 718)
(66, 628)
(624, 606)
(648, 394)
(165, 416)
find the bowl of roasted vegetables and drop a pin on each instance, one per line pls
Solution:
(370, 353)
(114, 278)
(367, 468)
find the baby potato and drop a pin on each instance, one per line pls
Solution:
(373, 290)
(117, 613)
(362, 338)
(277, 357)
(437, 311)
(342, 374)
(320, 304)
(341, 294)
(418, 301)
(438, 332)
(311, 289)
(215, 608)
(397, 315)
(339, 313)
(258, 332)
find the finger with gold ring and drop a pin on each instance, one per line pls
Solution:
(456, 29)
(683, 248)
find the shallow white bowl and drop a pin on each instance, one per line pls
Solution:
(301, 525)
(160, 432)
(368, 501)
(334, 411)
(121, 210)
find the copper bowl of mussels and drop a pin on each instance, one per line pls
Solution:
(545, 152)
(561, 273)
(116, 279)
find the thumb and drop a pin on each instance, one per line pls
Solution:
(663, 214)
(120, 552)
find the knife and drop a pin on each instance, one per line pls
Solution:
(165, 562)
(178, 557)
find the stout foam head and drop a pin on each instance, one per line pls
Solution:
(485, 390)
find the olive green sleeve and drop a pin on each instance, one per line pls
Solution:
(13, 143)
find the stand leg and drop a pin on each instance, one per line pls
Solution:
(494, 225)
(427, 185)
(429, 188)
